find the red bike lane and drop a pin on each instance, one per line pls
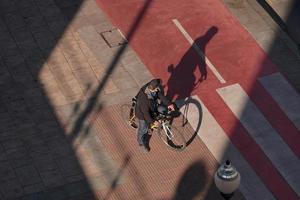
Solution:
(166, 52)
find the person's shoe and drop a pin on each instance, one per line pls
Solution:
(145, 148)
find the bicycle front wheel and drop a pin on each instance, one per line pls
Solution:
(172, 137)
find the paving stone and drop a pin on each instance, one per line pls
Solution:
(62, 73)
(59, 147)
(57, 98)
(20, 73)
(34, 196)
(32, 140)
(4, 117)
(5, 33)
(102, 26)
(97, 18)
(28, 49)
(25, 3)
(8, 134)
(11, 189)
(14, 21)
(22, 34)
(43, 113)
(8, 96)
(80, 22)
(118, 97)
(70, 11)
(57, 27)
(34, 98)
(35, 21)
(71, 89)
(70, 48)
(52, 178)
(18, 157)
(69, 165)
(78, 62)
(28, 175)
(7, 6)
(35, 188)
(57, 193)
(45, 163)
(77, 188)
(89, 195)
(75, 178)
(10, 50)
(124, 83)
(86, 50)
(46, 44)
(6, 171)
(68, 3)
(11, 144)
(41, 3)
(96, 44)
(110, 87)
(56, 60)
(14, 60)
(3, 156)
(38, 150)
(51, 13)
(90, 7)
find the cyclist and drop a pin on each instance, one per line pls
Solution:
(148, 99)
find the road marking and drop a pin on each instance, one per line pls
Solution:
(285, 96)
(198, 50)
(263, 133)
(216, 140)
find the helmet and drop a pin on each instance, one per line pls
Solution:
(162, 109)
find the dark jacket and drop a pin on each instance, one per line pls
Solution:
(145, 105)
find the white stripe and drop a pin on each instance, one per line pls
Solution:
(199, 51)
(263, 133)
(285, 96)
(220, 146)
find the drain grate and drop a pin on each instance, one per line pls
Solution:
(113, 38)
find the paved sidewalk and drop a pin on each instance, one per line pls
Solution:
(280, 47)
(62, 136)
(64, 73)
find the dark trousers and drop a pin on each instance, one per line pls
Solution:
(142, 132)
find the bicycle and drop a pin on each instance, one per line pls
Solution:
(168, 133)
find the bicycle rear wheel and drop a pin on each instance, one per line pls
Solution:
(172, 137)
(127, 112)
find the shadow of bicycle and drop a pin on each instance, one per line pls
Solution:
(190, 118)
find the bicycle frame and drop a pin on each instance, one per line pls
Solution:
(166, 127)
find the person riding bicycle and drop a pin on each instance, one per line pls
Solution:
(149, 97)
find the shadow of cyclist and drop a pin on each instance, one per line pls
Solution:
(182, 79)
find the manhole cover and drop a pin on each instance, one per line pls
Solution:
(113, 38)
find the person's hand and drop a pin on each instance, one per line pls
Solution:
(171, 107)
(154, 125)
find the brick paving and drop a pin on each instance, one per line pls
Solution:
(55, 142)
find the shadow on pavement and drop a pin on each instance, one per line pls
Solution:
(117, 177)
(288, 64)
(186, 107)
(194, 184)
(37, 159)
(182, 80)
(94, 99)
(291, 25)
